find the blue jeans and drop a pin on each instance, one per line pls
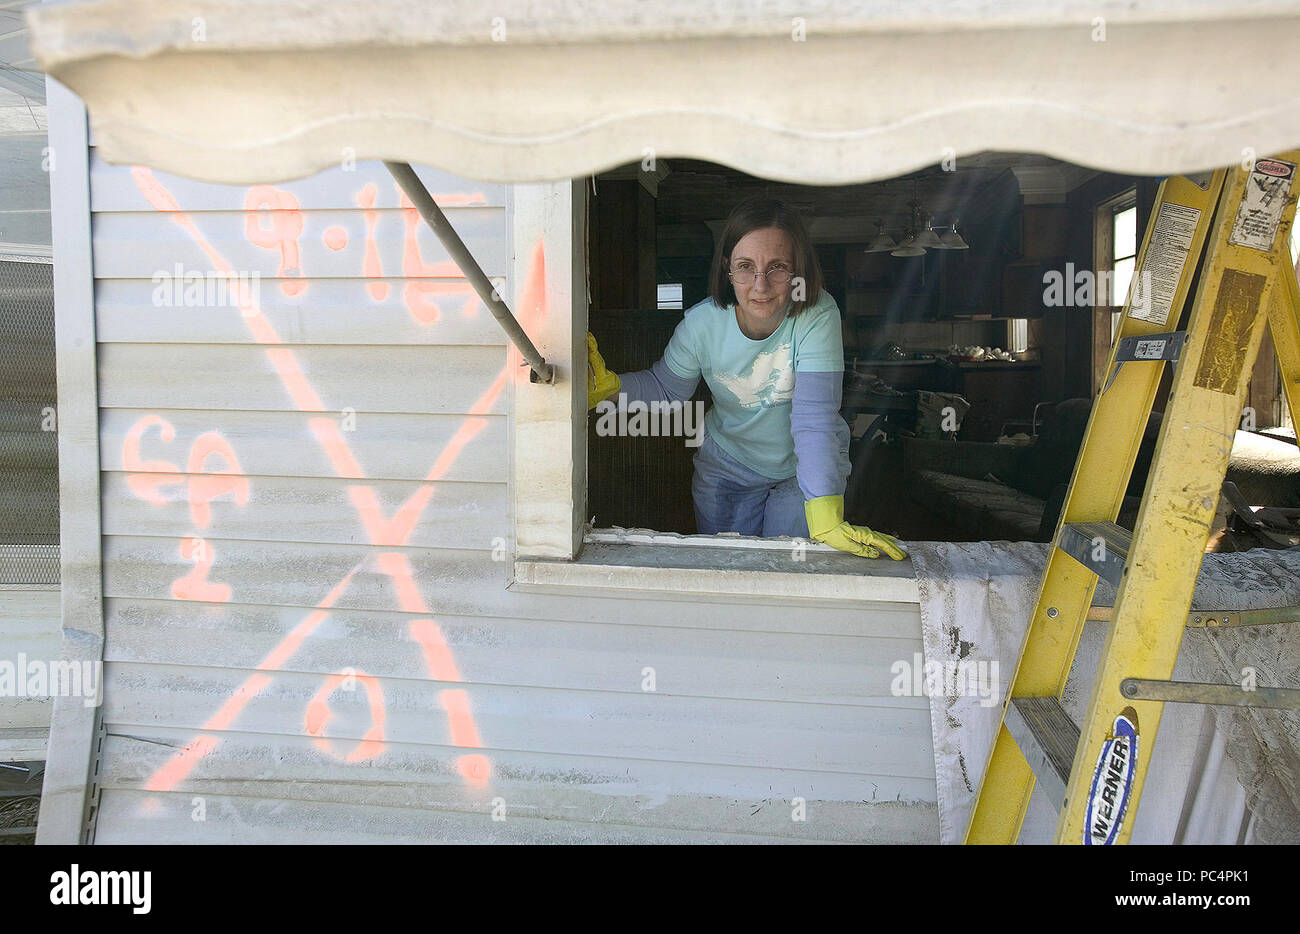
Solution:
(729, 497)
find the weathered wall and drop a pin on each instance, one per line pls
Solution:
(309, 636)
(29, 629)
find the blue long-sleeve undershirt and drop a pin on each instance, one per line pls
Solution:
(820, 435)
(657, 384)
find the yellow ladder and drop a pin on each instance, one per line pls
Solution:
(1093, 773)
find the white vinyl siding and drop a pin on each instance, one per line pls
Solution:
(754, 702)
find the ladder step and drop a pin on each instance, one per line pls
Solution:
(1047, 738)
(1101, 547)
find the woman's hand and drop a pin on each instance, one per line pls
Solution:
(826, 523)
(601, 383)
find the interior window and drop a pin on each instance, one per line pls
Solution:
(1124, 244)
(967, 387)
(670, 296)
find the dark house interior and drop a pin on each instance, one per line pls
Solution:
(963, 332)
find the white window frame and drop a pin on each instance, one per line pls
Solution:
(1103, 259)
(1107, 212)
(548, 446)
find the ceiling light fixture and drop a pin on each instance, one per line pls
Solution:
(883, 242)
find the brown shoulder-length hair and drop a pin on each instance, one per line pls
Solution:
(754, 214)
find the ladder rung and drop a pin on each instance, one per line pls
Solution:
(1047, 738)
(1101, 547)
(1219, 619)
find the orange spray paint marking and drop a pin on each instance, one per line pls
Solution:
(204, 489)
(419, 296)
(319, 714)
(473, 767)
(456, 701)
(286, 365)
(398, 529)
(267, 203)
(195, 585)
(465, 433)
(330, 438)
(147, 488)
(437, 655)
(335, 238)
(182, 763)
(263, 331)
(290, 643)
(371, 267)
(532, 305)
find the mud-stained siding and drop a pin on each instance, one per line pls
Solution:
(29, 629)
(306, 554)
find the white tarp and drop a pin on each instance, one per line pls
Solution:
(1217, 775)
(829, 92)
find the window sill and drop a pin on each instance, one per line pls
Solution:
(719, 567)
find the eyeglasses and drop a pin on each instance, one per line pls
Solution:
(777, 275)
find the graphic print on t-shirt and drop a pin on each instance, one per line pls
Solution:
(767, 382)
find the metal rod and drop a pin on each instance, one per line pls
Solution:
(1221, 619)
(1225, 695)
(410, 183)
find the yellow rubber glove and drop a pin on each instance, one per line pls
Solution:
(601, 383)
(826, 524)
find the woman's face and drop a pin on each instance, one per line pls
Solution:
(762, 303)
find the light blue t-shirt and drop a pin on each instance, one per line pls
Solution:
(753, 381)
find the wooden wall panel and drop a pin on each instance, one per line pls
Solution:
(452, 581)
(635, 723)
(136, 246)
(129, 816)
(371, 439)
(386, 446)
(114, 188)
(304, 509)
(365, 379)
(329, 311)
(581, 656)
(593, 798)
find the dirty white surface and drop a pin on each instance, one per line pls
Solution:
(29, 629)
(601, 715)
(977, 598)
(591, 89)
(708, 567)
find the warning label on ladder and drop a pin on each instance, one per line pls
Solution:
(1171, 240)
(1261, 207)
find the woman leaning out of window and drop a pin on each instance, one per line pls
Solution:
(775, 455)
